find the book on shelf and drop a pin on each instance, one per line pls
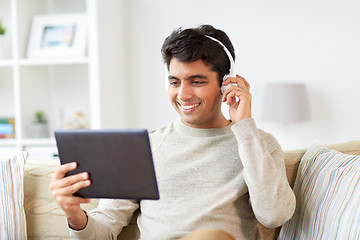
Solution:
(7, 127)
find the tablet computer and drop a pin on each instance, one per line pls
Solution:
(119, 162)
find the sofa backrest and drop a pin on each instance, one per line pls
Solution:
(45, 219)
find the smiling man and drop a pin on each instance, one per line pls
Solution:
(217, 177)
(195, 94)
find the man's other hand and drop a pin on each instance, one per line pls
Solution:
(238, 98)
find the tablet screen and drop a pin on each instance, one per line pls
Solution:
(119, 162)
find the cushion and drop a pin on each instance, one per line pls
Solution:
(12, 213)
(327, 195)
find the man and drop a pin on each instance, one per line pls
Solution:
(212, 173)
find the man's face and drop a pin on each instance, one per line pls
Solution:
(194, 92)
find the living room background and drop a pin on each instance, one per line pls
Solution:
(311, 42)
(315, 43)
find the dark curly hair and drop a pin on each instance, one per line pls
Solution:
(190, 45)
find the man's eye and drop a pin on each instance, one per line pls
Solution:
(198, 82)
(174, 83)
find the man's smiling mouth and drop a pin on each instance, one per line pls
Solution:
(188, 107)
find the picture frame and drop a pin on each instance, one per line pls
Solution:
(55, 36)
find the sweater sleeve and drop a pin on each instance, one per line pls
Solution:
(107, 220)
(271, 197)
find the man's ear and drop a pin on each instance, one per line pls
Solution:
(166, 78)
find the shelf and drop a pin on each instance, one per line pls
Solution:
(53, 61)
(6, 63)
(28, 142)
(60, 87)
(39, 141)
(7, 142)
(44, 62)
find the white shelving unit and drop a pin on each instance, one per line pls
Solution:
(58, 86)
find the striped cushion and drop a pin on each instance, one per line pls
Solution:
(12, 214)
(327, 190)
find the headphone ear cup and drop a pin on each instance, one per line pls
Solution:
(224, 88)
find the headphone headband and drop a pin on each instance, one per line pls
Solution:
(231, 59)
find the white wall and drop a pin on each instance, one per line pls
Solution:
(316, 42)
(112, 65)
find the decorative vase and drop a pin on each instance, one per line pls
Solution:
(39, 130)
(5, 49)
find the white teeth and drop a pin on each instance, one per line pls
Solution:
(190, 106)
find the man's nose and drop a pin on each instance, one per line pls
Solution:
(185, 92)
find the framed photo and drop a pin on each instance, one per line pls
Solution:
(55, 36)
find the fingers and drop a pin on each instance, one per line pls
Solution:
(240, 87)
(69, 186)
(72, 179)
(247, 85)
(62, 186)
(238, 81)
(63, 169)
(59, 179)
(230, 98)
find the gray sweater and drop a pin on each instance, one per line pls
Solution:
(223, 177)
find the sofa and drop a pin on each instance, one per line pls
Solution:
(44, 219)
